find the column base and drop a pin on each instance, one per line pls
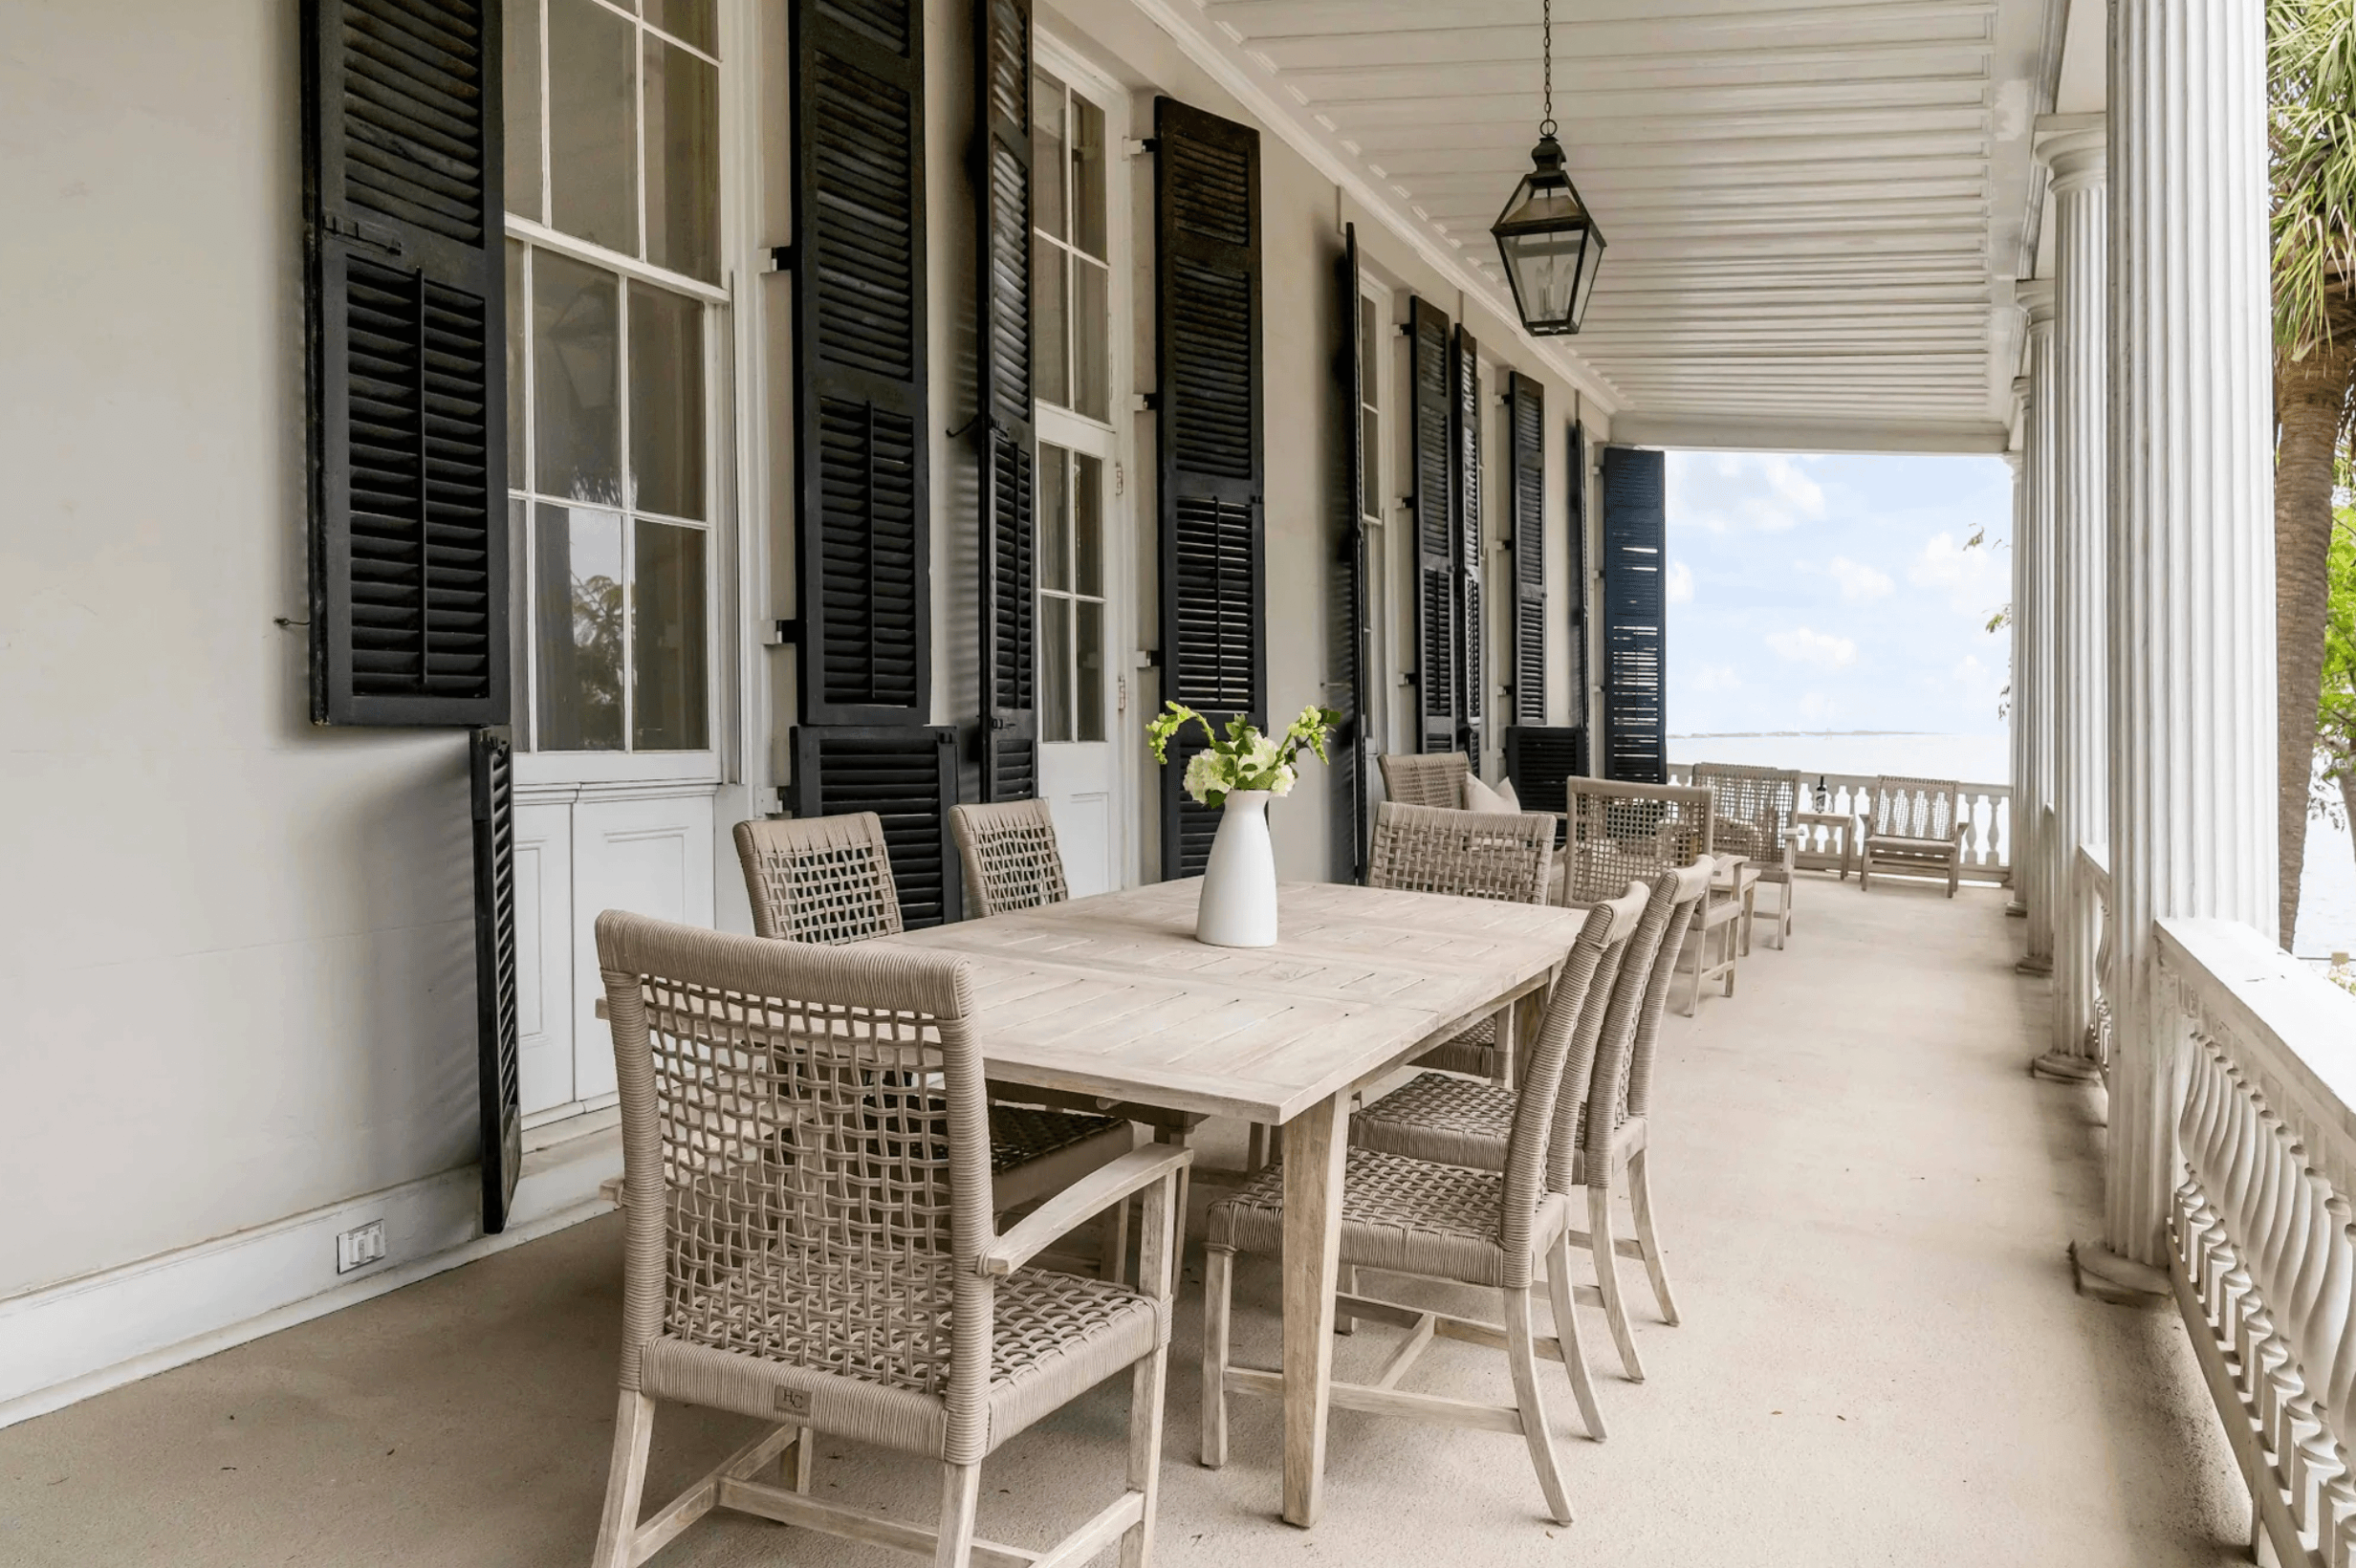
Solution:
(2034, 964)
(2103, 1272)
(2061, 1067)
(2016, 910)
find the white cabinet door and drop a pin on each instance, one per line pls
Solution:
(651, 856)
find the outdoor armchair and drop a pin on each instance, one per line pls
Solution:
(1915, 824)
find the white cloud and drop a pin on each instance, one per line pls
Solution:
(1725, 492)
(1802, 647)
(1715, 678)
(1970, 576)
(1680, 583)
(1858, 582)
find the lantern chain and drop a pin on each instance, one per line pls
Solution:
(1546, 51)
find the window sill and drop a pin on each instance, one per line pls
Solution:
(543, 767)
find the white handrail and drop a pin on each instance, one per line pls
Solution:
(2262, 1253)
(1988, 809)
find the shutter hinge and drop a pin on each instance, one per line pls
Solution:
(784, 634)
(365, 233)
(1144, 402)
(1138, 146)
(1406, 328)
(1149, 659)
(780, 259)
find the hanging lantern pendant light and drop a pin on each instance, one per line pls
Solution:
(1549, 240)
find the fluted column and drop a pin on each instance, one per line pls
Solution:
(2081, 456)
(2032, 714)
(2018, 728)
(2191, 605)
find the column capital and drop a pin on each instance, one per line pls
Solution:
(2076, 147)
(2036, 296)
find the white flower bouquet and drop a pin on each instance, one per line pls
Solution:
(1243, 759)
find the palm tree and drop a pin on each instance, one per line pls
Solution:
(2311, 50)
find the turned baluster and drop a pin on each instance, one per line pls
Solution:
(2242, 1282)
(2196, 1130)
(2324, 1292)
(2222, 1268)
(2276, 1327)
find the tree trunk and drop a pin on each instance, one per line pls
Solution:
(2311, 399)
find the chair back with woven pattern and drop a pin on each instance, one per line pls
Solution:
(1624, 832)
(1612, 971)
(1915, 808)
(1632, 1026)
(1426, 778)
(1008, 854)
(806, 1153)
(1473, 855)
(1752, 808)
(1542, 1079)
(818, 878)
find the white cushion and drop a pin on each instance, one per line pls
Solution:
(1479, 797)
(1505, 793)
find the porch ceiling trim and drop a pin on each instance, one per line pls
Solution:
(1713, 432)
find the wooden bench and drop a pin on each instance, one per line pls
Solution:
(1915, 825)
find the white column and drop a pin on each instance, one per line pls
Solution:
(2191, 605)
(2079, 728)
(2023, 818)
(2032, 635)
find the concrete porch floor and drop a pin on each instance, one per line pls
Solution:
(1865, 1199)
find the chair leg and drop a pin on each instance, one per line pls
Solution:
(1535, 1429)
(1218, 1282)
(1640, 1200)
(797, 1459)
(1113, 1238)
(961, 1489)
(625, 1481)
(1145, 1391)
(1608, 1279)
(1566, 1334)
(1701, 951)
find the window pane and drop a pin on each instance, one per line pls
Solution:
(1047, 346)
(1087, 176)
(593, 123)
(1088, 525)
(577, 413)
(1047, 153)
(667, 402)
(521, 83)
(1055, 513)
(517, 411)
(579, 609)
(682, 162)
(1089, 671)
(519, 623)
(1370, 463)
(667, 641)
(1090, 321)
(1055, 670)
(692, 21)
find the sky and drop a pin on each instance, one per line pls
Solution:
(1837, 593)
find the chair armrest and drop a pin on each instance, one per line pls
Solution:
(1099, 1190)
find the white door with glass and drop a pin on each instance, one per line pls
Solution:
(1081, 554)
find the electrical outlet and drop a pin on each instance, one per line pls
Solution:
(360, 1246)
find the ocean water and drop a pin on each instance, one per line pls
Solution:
(2326, 891)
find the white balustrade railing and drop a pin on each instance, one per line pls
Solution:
(2094, 888)
(2262, 1250)
(1987, 809)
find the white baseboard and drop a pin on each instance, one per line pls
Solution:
(66, 1341)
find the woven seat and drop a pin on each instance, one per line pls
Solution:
(1426, 778)
(1441, 1222)
(1914, 824)
(1447, 1119)
(1755, 815)
(809, 1238)
(1433, 849)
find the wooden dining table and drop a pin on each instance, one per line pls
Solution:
(1112, 996)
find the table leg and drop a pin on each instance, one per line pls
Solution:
(1316, 1143)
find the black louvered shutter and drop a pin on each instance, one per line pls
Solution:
(859, 353)
(1002, 253)
(1635, 540)
(1207, 287)
(1465, 440)
(404, 315)
(1575, 593)
(1435, 530)
(1525, 466)
(907, 775)
(1539, 757)
(492, 758)
(1349, 683)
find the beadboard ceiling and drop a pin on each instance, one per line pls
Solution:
(1815, 212)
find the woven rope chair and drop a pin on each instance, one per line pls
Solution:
(810, 1243)
(1617, 834)
(828, 880)
(1915, 824)
(1431, 849)
(1753, 816)
(1426, 778)
(1454, 1122)
(1009, 855)
(1438, 1222)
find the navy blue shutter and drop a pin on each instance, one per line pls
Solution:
(498, 1064)
(1635, 627)
(1349, 683)
(405, 297)
(1526, 465)
(1435, 528)
(1465, 436)
(1207, 293)
(1002, 341)
(907, 775)
(1575, 592)
(859, 353)
(1539, 757)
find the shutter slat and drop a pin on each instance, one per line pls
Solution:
(1431, 418)
(1635, 574)
(906, 774)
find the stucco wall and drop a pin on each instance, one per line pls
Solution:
(236, 956)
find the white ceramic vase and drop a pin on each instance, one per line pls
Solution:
(1238, 906)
